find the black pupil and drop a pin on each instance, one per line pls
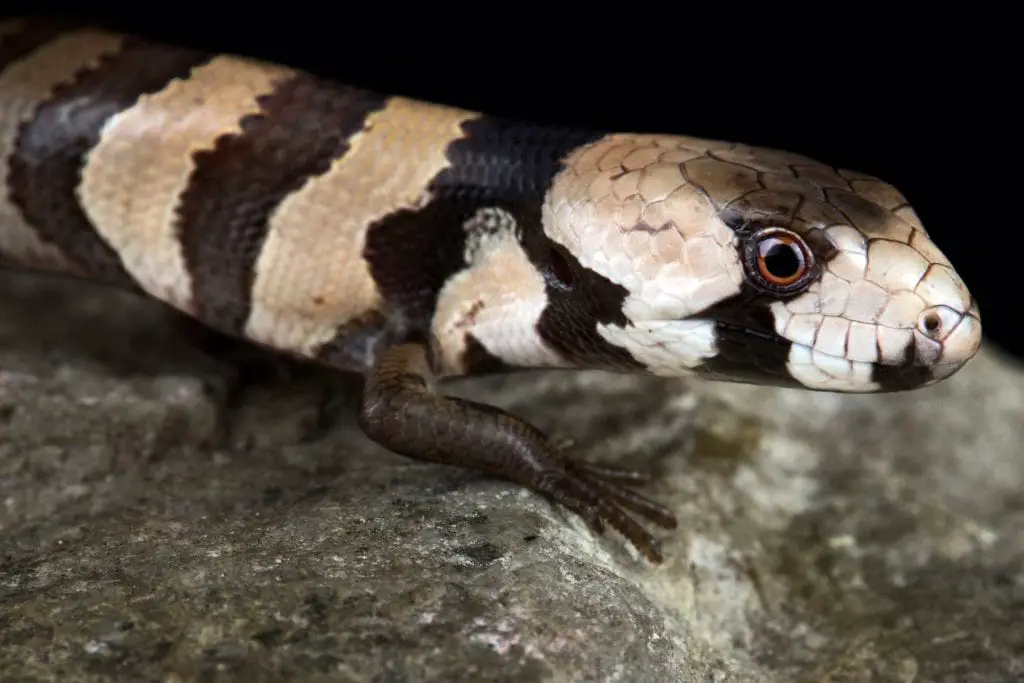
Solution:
(782, 260)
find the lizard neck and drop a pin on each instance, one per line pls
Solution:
(488, 313)
(471, 282)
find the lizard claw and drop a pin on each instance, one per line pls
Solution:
(597, 493)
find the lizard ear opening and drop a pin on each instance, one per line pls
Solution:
(560, 268)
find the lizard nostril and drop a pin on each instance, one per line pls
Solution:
(938, 321)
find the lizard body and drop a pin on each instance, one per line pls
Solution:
(410, 241)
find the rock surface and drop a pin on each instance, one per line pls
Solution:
(823, 538)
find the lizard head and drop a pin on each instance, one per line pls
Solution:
(756, 265)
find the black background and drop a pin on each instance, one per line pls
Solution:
(926, 101)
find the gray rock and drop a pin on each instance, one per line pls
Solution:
(823, 538)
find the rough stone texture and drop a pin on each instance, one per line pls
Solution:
(823, 538)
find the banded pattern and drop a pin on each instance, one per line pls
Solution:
(671, 218)
(38, 59)
(404, 240)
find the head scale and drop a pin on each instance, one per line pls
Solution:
(762, 266)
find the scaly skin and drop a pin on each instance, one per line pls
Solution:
(405, 240)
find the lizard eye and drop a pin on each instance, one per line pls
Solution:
(778, 260)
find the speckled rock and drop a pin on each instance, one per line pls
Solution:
(822, 538)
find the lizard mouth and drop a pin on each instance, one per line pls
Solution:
(766, 357)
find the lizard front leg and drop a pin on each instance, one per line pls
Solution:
(401, 412)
